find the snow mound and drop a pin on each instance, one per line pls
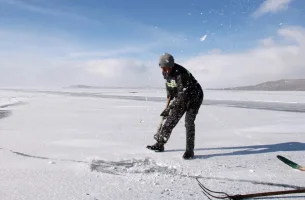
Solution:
(4, 113)
(10, 101)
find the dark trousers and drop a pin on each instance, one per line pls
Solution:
(191, 109)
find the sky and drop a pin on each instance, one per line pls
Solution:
(223, 43)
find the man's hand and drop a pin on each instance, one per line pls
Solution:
(165, 112)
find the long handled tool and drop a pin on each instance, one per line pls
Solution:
(157, 135)
(291, 163)
(163, 118)
(222, 195)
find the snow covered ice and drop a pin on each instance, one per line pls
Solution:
(56, 145)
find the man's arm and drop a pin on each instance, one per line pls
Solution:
(168, 101)
(167, 109)
(182, 84)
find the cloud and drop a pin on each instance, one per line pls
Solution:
(108, 53)
(115, 68)
(123, 50)
(277, 57)
(267, 42)
(272, 6)
(47, 56)
(35, 59)
(270, 60)
(125, 72)
(51, 58)
(281, 56)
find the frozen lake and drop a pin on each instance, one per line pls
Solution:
(78, 144)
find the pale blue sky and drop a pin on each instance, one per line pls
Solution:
(63, 42)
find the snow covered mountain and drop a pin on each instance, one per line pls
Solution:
(279, 85)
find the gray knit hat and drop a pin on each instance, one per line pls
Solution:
(166, 60)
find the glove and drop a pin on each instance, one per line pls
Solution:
(165, 112)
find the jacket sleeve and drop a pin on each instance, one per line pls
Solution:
(182, 89)
(167, 91)
(166, 87)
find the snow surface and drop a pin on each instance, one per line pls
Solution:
(266, 96)
(59, 146)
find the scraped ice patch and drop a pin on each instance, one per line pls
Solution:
(143, 166)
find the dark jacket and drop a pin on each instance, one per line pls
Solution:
(181, 85)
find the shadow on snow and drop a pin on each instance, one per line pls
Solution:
(248, 150)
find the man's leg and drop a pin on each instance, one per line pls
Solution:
(169, 124)
(190, 118)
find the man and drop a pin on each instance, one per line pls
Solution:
(184, 95)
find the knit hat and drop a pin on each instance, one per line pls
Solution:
(166, 60)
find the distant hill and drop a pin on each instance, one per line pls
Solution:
(279, 85)
(82, 86)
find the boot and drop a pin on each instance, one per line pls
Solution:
(188, 154)
(156, 147)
